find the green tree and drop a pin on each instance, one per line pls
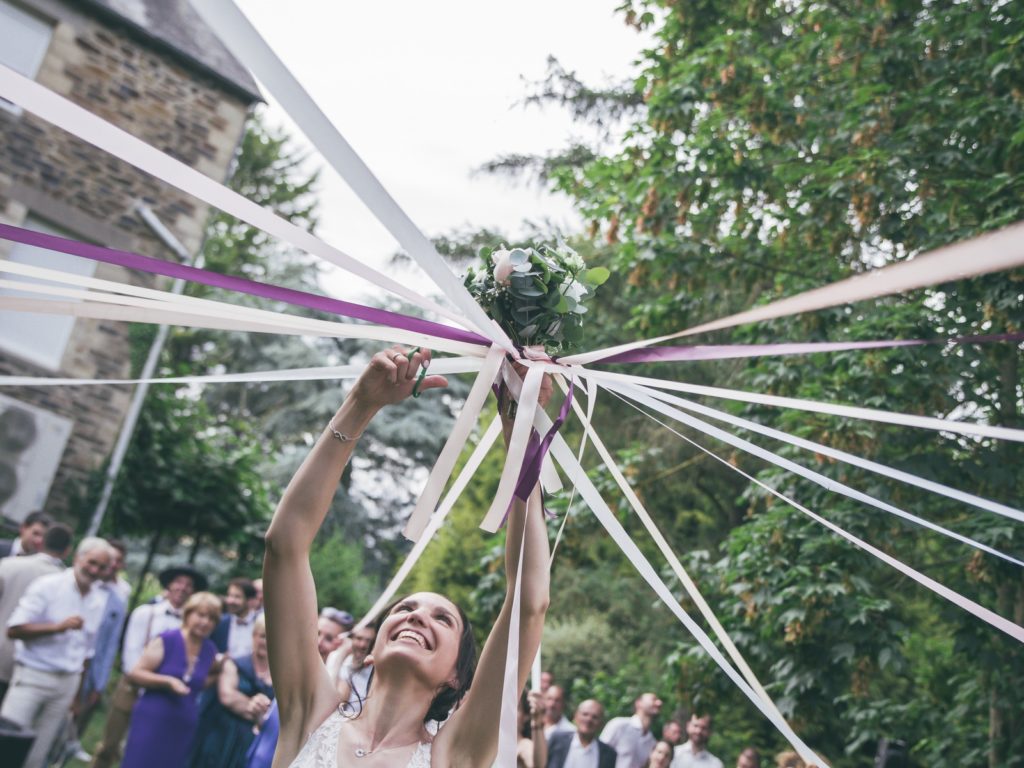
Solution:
(781, 146)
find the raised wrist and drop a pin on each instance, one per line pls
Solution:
(353, 417)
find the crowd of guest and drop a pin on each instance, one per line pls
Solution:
(195, 689)
(591, 740)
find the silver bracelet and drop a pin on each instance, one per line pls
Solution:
(342, 437)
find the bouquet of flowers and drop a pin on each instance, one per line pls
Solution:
(536, 294)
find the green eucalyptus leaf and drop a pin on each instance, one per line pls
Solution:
(596, 276)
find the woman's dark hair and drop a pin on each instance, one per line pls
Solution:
(447, 696)
(671, 751)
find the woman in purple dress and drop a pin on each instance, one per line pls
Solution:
(172, 673)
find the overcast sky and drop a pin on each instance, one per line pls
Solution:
(426, 92)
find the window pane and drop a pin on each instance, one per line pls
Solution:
(38, 338)
(24, 39)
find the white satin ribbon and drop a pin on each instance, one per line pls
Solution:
(508, 737)
(991, 252)
(455, 443)
(849, 458)
(231, 317)
(517, 447)
(95, 311)
(86, 126)
(576, 474)
(814, 406)
(640, 395)
(436, 520)
(677, 567)
(990, 617)
(215, 308)
(441, 365)
(242, 39)
(550, 480)
(591, 389)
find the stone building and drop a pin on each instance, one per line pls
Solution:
(152, 68)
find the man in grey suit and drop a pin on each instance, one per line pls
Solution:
(16, 573)
(582, 749)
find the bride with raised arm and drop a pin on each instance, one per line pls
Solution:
(424, 656)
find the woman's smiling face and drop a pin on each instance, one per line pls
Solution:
(422, 626)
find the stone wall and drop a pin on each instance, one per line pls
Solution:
(51, 175)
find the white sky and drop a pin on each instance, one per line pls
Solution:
(427, 92)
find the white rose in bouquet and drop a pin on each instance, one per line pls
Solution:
(502, 266)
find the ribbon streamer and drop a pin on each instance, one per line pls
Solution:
(847, 411)
(79, 122)
(563, 455)
(640, 395)
(733, 351)
(508, 738)
(990, 617)
(453, 446)
(213, 279)
(517, 446)
(442, 365)
(242, 39)
(849, 458)
(233, 317)
(677, 567)
(133, 315)
(991, 252)
(436, 520)
(537, 451)
(591, 390)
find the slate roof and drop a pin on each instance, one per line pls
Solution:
(174, 26)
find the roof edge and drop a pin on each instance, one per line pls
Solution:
(249, 96)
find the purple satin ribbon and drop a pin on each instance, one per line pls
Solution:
(418, 325)
(242, 285)
(537, 449)
(729, 351)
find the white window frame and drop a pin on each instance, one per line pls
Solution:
(40, 339)
(24, 40)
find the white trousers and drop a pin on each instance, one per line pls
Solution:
(40, 701)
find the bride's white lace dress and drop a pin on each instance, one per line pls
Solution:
(321, 750)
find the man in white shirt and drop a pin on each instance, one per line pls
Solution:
(146, 622)
(555, 720)
(16, 574)
(108, 640)
(694, 753)
(233, 635)
(256, 604)
(631, 737)
(581, 748)
(55, 625)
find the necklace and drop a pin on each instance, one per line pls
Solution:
(360, 752)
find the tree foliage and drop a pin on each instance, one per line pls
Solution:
(770, 148)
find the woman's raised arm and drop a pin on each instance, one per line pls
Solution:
(472, 734)
(305, 693)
